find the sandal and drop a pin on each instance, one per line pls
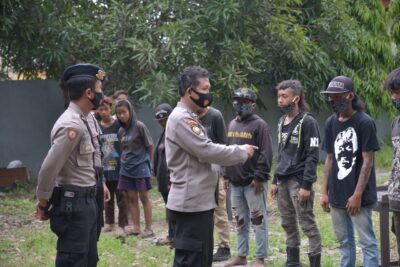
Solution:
(146, 234)
(130, 231)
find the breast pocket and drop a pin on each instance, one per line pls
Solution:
(85, 155)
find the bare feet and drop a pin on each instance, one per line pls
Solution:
(108, 228)
(259, 263)
(239, 260)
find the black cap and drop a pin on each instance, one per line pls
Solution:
(338, 85)
(162, 111)
(245, 93)
(84, 70)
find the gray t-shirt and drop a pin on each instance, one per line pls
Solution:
(135, 159)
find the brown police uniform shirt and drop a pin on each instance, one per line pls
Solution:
(190, 155)
(96, 132)
(70, 158)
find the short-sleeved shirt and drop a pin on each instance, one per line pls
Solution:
(346, 141)
(135, 159)
(111, 151)
(70, 157)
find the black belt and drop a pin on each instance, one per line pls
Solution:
(73, 191)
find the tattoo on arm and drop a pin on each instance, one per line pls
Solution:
(365, 172)
(327, 170)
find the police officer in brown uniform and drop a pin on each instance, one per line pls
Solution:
(190, 155)
(66, 188)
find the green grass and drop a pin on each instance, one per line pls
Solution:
(31, 243)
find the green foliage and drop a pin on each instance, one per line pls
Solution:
(143, 45)
(384, 157)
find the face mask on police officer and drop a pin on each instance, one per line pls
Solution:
(204, 100)
(242, 109)
(339, 105)
(97, 99)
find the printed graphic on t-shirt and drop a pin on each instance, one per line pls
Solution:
(236, 134)
(110, 159)
(284, 137)
(346, 146)
(394, 184)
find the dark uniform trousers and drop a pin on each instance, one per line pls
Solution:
(73, 218)
(193, 238)
(100, 206)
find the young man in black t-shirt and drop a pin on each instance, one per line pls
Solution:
(349, 190)
(392, 83)
(295, 172)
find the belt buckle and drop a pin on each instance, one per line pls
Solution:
(70, 194)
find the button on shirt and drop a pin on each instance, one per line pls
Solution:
(70, 158)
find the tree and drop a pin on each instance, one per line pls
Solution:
(143, 45)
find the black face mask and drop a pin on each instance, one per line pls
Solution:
(97, 99)
(204, 99)
(396, 103)
(340, 105)
(287, 108)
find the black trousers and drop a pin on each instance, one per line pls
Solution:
(193, 238)
(100, 206)
(73, 219)
(170, 229)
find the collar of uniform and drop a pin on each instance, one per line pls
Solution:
(76, 108)
(180, 104)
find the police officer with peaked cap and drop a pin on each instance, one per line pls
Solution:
(66, 188)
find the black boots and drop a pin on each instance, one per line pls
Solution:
(315, 260)
(293, 257)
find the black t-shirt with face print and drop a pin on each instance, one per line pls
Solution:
(346, 141)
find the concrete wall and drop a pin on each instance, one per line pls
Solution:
(28, 110)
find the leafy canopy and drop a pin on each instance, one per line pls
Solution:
(143, 45)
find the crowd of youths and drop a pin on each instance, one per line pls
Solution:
(196, 161)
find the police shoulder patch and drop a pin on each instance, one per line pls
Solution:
(191, 122)
(196, 129)
(72, 133)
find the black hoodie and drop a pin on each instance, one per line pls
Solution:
(254, 131)
(298, 154)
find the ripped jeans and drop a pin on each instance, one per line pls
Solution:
(247, 207)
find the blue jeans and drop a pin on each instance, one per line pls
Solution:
(343, 224)
(248, 207)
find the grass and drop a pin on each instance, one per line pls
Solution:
(27, 242)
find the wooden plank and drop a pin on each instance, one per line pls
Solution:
(9, 176)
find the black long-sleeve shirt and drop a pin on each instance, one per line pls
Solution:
(254, 131)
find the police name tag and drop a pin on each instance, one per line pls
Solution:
(69, 194)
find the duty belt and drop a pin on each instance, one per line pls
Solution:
(73, 191)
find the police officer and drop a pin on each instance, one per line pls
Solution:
(102, 194)
(190, 154)
(66, 188)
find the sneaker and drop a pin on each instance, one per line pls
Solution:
(163, 242)
(120, 233)
(222, 254)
